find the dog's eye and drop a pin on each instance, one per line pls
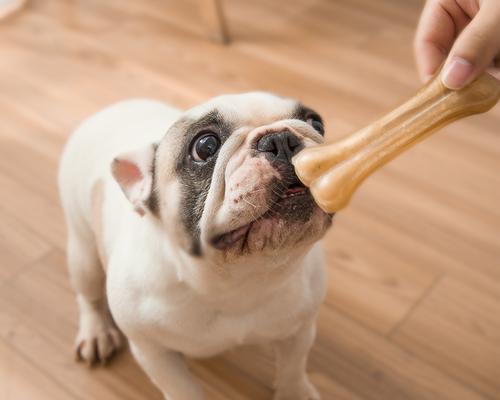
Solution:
(316, 123)
(205, 147)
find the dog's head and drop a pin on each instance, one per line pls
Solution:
(221, 180)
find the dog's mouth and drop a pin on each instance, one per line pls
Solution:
(294, 192)
(296, 188)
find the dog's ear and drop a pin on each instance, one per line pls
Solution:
(134, 173)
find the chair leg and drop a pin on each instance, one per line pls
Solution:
(215, 23)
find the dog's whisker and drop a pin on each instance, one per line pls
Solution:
(246, 201)
(256, 191)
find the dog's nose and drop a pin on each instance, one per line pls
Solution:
(281, 146)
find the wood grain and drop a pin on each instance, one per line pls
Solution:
(412, 310)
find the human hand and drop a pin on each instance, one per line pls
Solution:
(464, 34)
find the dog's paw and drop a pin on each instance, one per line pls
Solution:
(294, 391)
(97, 340)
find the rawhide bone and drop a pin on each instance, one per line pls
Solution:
(334, 171)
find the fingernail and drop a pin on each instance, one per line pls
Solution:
(457, 73)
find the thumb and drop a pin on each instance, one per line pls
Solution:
(475, 48)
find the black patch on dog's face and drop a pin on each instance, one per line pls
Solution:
(195, 177)
(304, 113)
(153, 201)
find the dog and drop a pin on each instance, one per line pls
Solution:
(190, 233)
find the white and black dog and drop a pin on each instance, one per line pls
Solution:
(219, 247)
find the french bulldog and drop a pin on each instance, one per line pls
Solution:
(190, 233)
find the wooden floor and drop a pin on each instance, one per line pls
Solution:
(413, 305)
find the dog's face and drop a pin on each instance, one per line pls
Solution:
(221, 180)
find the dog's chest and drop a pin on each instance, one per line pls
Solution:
(201, 330)
(169, 312)
(225, 331)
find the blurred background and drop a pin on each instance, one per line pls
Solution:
(413, 304)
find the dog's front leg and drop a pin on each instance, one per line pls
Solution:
(291, 381)
(168, 370)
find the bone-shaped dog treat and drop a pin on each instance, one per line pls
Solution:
(334, 171)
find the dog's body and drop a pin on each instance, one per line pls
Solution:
(207, 262)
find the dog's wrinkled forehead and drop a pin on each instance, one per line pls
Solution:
(249, 109)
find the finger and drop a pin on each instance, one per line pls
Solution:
(440, 23)
(475, 49)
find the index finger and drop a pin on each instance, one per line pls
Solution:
(439, 25)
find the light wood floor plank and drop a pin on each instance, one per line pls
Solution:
(372, 368)
(20, 379)
(19, 246)
(457, 329)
